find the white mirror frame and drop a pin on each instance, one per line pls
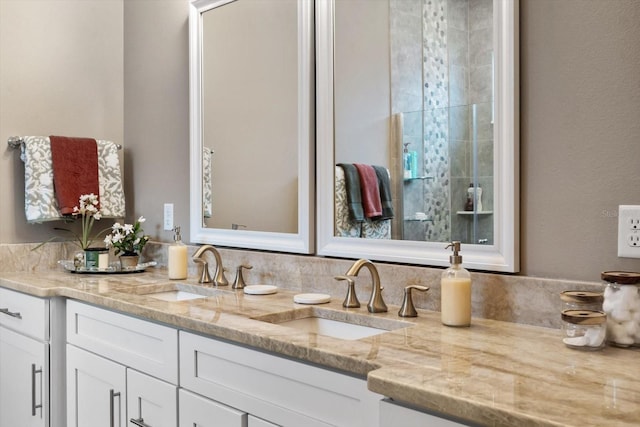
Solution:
(503, 255)
(303, 240)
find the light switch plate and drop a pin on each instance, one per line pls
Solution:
(168, 216)
(629, 231)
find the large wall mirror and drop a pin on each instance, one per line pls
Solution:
(252, 135)
(426, 91)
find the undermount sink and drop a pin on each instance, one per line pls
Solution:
(176, 291)
(175, 296)
(334, 323)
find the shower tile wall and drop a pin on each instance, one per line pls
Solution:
(453, 42)
(406, 57)
(470, 33)
(460, 143)
(436, 120)
(407, 98)
(480, 28)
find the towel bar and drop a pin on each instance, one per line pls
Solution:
(16, 141)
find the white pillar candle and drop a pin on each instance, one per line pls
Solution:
(103, 260)
(177, 264)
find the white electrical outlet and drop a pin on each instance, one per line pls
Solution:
(168, 216)
(629, 231)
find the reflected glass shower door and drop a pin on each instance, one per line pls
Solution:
(454, 150)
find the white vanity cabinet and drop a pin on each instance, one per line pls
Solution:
(121, 371)
(273, 390)
(31, 360)
(393, 415)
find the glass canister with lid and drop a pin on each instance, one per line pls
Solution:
(622, 307)
(582, 300)
(584, 329)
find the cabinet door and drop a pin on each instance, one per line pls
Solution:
(197, 411)
(95, 390)
(23, 380)
(257, 422)
(391, 413)
(150, 402)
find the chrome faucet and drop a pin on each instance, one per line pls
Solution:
(376, 304)
(219, 277)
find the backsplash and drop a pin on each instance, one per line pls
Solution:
(518, 299)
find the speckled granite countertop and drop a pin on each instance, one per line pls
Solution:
(493, 373)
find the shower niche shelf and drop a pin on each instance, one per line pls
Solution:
(417, 178)
(471, 213)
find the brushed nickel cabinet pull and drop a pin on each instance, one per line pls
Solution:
(112, 396)
(35, 407)
(11, 313)
(139, 422)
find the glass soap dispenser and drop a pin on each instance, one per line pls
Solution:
(177, 263)
(455, 291)
(406, 161)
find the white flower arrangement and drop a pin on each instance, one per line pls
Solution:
(128, 239)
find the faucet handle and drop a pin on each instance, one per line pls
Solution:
(205, 277)
(239, 283)
(351, 300)
(220, 276)
(407, 309)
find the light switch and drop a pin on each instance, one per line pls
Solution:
(168, 216)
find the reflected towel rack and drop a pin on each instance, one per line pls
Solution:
(17, 141)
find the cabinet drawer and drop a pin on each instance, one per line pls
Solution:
(273, 388)
(390, 413)
(25, 314)
(139, 344)
(257, 422)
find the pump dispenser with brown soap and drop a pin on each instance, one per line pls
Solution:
(455, 291)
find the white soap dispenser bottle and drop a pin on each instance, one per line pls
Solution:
(177, 262)
(455, 291)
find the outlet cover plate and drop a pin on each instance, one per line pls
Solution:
(629, 231)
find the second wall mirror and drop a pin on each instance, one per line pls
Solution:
(428, 91)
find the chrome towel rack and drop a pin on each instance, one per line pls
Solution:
(17, 141)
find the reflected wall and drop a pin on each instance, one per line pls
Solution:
(250, 115)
